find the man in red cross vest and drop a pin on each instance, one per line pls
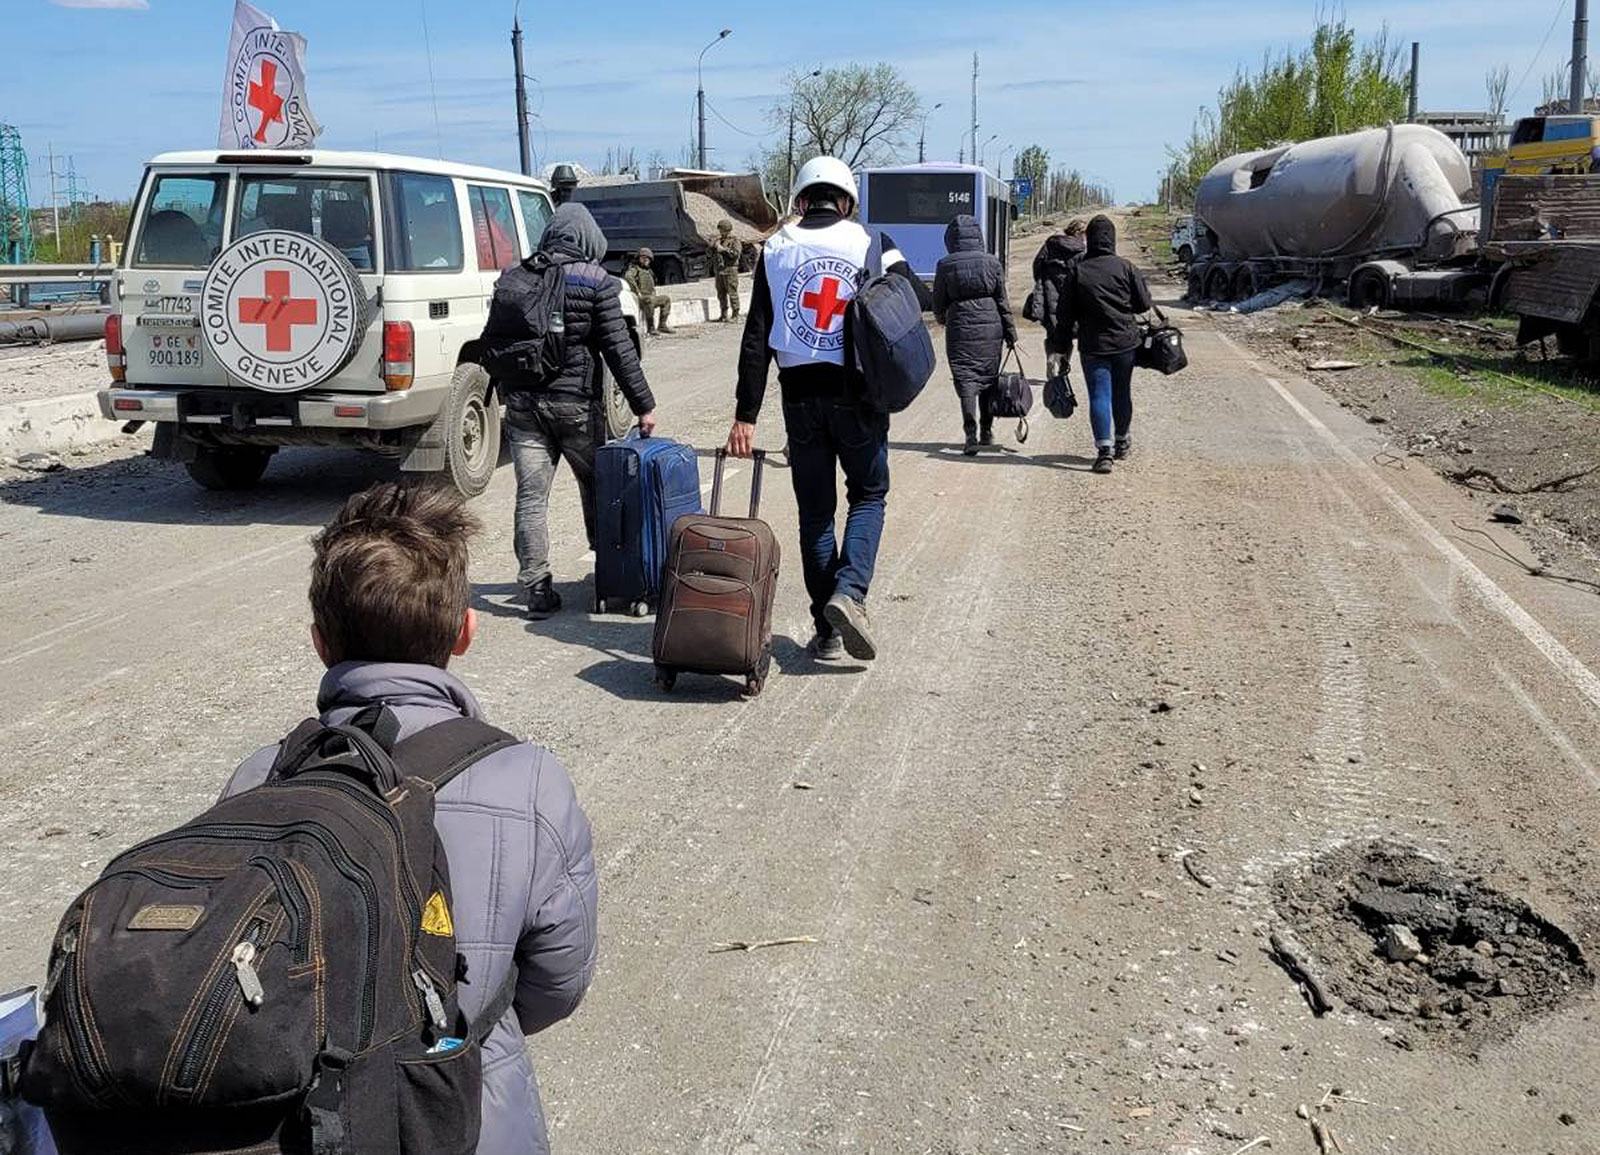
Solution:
(804, 283)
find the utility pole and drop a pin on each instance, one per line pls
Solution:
(55, 207)
(789, 168)
(524, 151)
(974, 106)
(922, 136)
(1580, 53)
(1416, 59)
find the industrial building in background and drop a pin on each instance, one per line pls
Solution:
(16, 216)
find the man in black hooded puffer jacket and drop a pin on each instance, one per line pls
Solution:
(969, 299)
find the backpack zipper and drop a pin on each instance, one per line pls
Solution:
(347, 866)
(233, 978)
(86, 1065)
(295, 904)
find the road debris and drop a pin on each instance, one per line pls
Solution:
(1333, 366)
(760, 944)
(1292, 958)
(798, 785)
(1194, 871)
(1506, 513)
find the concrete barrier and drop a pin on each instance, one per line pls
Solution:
(54, 425)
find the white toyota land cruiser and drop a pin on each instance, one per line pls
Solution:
(271, 299)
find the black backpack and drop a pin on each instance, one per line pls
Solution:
(524, 339)
(280, 973)
(893, 351)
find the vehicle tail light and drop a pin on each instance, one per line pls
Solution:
(349, 410)
(127, 405)
(116, 355)
(399, 354)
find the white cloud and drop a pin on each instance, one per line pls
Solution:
(134, 5)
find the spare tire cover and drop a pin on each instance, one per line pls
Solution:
(283, 311)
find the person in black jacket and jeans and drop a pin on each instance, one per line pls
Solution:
(1100, 303)
(563, 418)
(969, 300)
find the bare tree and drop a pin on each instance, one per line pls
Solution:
(1556, 88)
(1495, 83)
(860, 113)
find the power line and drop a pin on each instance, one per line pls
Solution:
(1556, 19)
(735, 127)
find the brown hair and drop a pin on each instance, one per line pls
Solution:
(389, 575)
(1075, 228)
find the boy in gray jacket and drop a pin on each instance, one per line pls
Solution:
(389, 608)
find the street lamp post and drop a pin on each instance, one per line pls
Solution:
(1000, 169)
(922, 137)
(984, 145)
(700, 93)
(815, 72)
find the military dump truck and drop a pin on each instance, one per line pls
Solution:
(1545, 238)
(676, 218)
(1385, 212)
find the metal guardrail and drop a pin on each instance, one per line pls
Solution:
(18, 281)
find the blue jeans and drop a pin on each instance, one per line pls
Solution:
(826, 433)
(1110, 384)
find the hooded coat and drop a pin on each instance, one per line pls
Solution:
(1102, 298)
(522, 880)
(595, 327)
(969, 298)
(1051, 265)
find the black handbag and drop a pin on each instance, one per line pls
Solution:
(1160, 345)
(1012, 394)
(1058, 396)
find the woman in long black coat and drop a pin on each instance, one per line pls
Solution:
(969, 299)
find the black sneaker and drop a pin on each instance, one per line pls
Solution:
(543, 599)
(826, 648)
(849, 619)
(971, 447)
(1123, 448)
(1102, 461)
(986, 437)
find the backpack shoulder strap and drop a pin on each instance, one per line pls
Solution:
(497, 1006)
(440, 752)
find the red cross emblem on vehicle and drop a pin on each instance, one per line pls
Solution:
(265, 99)
(826, 304)
(278, 311)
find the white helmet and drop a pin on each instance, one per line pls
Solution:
(823, 170)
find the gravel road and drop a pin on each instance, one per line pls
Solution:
(1046, 835)
(32, 371)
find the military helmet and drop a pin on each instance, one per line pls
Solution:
(724, 225)
(645, 255)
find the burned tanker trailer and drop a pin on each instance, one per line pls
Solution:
(1379, 212)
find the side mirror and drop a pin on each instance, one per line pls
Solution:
(1015, 211)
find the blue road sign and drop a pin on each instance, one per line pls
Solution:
(1022, 187)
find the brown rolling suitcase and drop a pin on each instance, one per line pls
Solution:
(715, 614)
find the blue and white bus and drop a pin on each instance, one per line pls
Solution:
(913, 203)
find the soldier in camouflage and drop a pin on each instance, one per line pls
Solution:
(724, 256)
(642, 280)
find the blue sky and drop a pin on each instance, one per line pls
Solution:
(1103, 86)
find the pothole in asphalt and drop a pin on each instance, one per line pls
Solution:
(1405, 938)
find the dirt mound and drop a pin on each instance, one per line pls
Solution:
(1405, 938)
(707, 212)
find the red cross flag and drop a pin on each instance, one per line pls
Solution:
(264, 92)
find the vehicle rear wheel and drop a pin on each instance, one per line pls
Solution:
(614, 406)
(228, 466)
(471, 430)
(1245, 284)
(1369, 288)
(1219, 284)
(1186, 254)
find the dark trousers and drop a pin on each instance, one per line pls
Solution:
(977, 412)
(825, 435)
(1109, 381)
(543, 429)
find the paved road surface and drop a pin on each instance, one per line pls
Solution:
(1252, 641)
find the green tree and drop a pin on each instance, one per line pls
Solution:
(1032, 163)
(1334, 84)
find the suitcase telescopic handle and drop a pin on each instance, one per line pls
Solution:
(760, 456)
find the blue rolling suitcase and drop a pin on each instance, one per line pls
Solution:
(642, 485)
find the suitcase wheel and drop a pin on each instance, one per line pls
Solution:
(753, 686)
(640, 609)
(666, 678)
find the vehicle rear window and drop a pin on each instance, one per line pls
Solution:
(1529, 130)
(536, 212)
(337, 210)
(427, 223)
(494, 227)
(919, 198)
(183, 221)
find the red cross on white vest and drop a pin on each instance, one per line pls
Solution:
(264, 97)
(826, 304)
(278, 311)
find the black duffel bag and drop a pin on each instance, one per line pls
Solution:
(1160, 345)
(1011, 395)
(1059, 398)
